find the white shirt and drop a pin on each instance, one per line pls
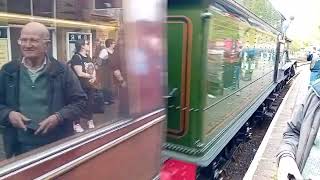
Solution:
(32, 70)
(104, 53)
(34, 73)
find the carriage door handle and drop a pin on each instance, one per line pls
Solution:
(171, 94)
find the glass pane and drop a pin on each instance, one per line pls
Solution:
(264, 10)
(18, 6)
(43, 8)
(102, 4)
(83, 69)
(241, 57)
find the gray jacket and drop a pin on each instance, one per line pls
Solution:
(301, 131)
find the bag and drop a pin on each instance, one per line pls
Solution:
(98, 101)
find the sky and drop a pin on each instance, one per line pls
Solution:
(307, 17)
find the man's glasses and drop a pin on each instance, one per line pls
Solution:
(24, 41)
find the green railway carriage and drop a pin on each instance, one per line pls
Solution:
(223, 62)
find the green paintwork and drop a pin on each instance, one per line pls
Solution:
(174, 67)
(197, 87)
(232, 67)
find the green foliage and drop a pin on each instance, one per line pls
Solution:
(224, 27)
(264, 10)
(296, 46)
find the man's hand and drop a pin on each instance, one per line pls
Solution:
(288, 165)
(18, 120)
(47, 124)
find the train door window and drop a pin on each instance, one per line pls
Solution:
(114, 61)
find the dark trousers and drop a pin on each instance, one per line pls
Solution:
(88, 112)
(108, 95)
(106, 74)
(124, 102)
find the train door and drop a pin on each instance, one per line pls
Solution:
(179, 42)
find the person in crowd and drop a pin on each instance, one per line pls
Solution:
(85, 70)
(97, 47)
(299, 152)
(105, 71)
(118, 66)
(39, 96)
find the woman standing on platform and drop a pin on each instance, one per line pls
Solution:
(299, 154)
(84, 68)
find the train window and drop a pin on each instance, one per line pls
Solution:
(240, 64)
(264, 10)
(17, 6)
(76, 68)
(241, 55)
(43, 8)
(102, 4)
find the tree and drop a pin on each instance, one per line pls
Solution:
(264, 10)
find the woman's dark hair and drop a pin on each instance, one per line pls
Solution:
(79, 43)
(108, 42)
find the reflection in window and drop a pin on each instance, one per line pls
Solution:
(102, 4)
(240, 67)
(264, 10)
(239, 53)
(18, 6)
(72, 9)
(43, 8)
(91, 61)
(91, 45)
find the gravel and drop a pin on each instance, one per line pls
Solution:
(244, 154)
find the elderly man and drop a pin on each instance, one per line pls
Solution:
(39, 96)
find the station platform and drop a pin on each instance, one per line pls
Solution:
(264, 164)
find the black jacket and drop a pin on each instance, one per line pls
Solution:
(66, 98)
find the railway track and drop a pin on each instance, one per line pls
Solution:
(242, 156)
